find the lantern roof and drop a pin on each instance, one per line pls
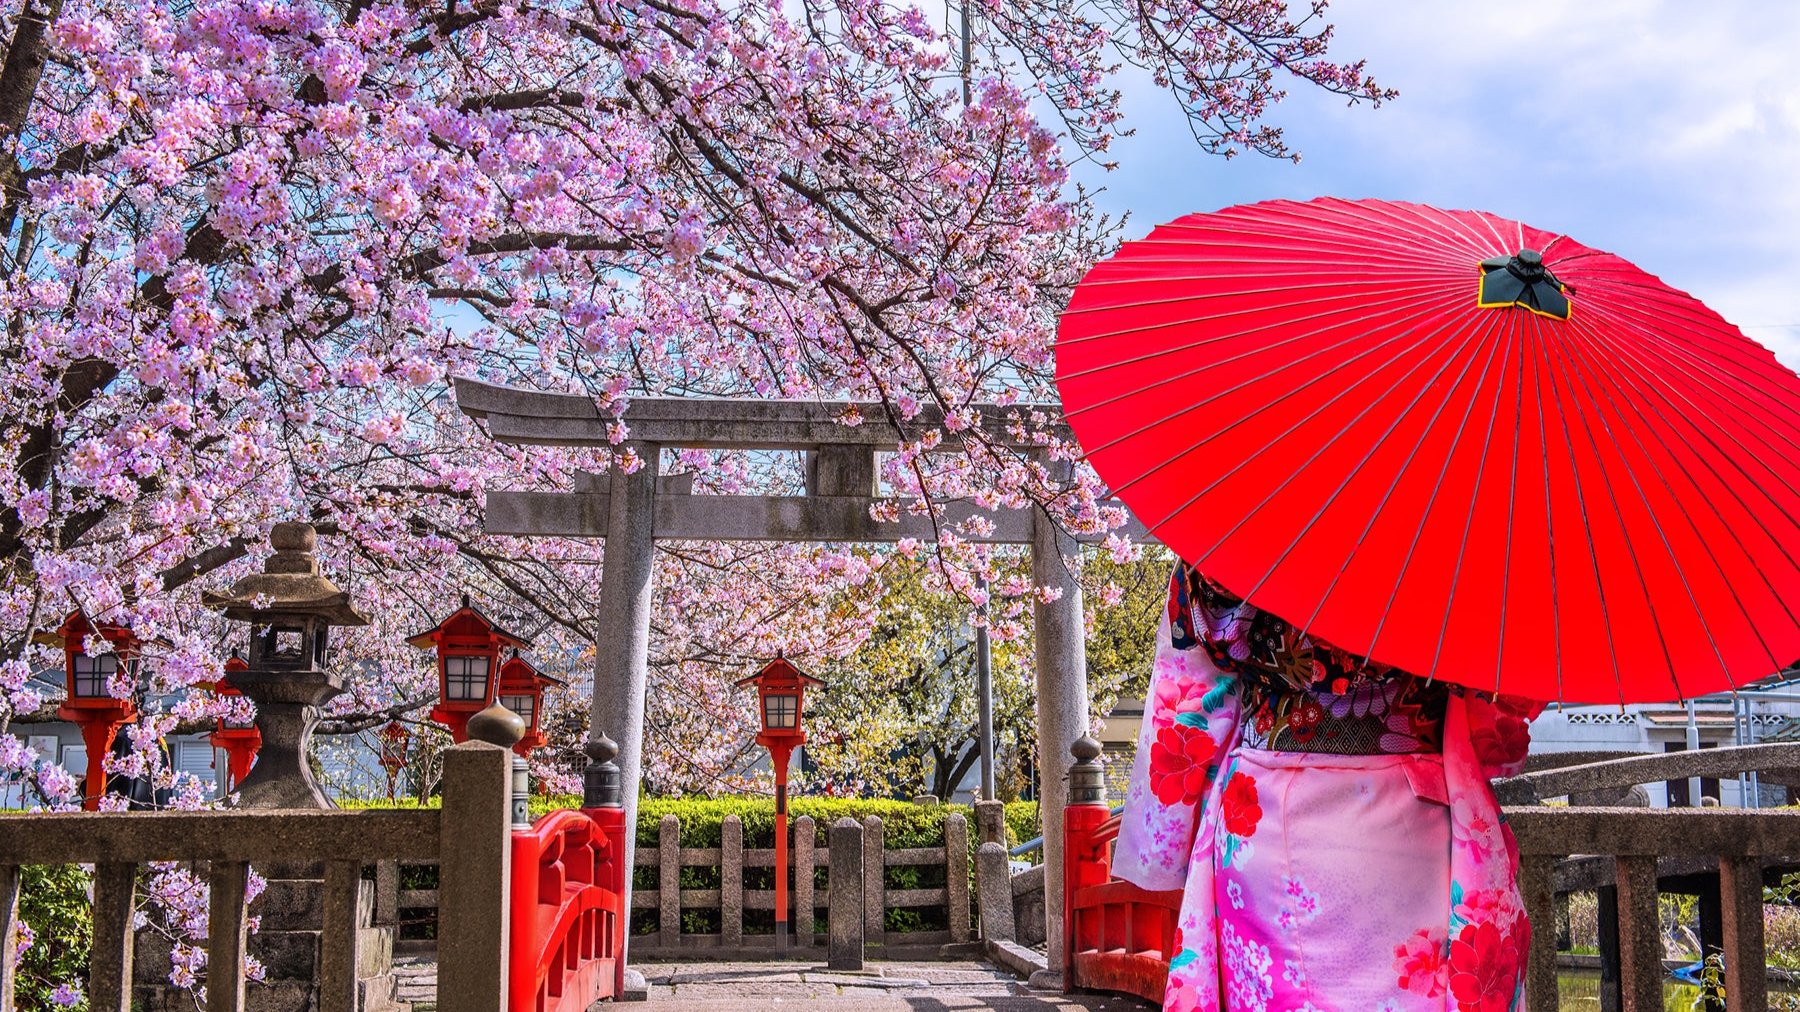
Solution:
(518, 669)
(467, 621)
(780, 671)
(290, 583)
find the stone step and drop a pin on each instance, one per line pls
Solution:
(415, 982)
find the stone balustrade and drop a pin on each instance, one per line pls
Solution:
(469, 838)
(1630, 855)
(1120, 934)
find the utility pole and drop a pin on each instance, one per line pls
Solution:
(984, 699)
(984, 653)
(967, 52)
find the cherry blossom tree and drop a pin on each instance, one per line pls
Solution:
(244, 244)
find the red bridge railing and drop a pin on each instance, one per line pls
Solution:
(567, 944)
(1117, 936)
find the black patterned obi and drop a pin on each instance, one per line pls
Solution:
(1301, 694)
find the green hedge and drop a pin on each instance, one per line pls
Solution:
(1021, 822)
(904, 824)
(541, 805)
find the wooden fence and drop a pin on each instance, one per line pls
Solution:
(721, 909)
(811, 894)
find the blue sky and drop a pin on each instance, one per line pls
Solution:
(1666, 132)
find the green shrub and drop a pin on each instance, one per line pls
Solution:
(1022, 825)
(364, 804)
(53, 901)
(904, 824)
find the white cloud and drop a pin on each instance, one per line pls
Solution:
(1667, 132)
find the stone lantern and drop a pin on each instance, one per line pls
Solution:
(291, 609)
(90, 704)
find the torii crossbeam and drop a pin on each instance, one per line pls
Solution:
(632, 511)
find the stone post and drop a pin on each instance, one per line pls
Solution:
(993, 887)
(621, 665)
(804, 864)
(1640, 940)
(874, 889)
(1741, 893)
(846, 900)
(475, 887)
(1062, 704)
(668, 880)
(387, 894)
(1537, 883)
(956, 875)
(731, 882)
(990, 821)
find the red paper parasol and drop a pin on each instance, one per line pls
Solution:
(1457, 444)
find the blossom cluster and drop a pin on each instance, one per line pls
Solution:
(249, 243)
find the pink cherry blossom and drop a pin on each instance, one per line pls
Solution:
(248, 245)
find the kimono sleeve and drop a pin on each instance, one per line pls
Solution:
(1500, 731)
(1190, 714)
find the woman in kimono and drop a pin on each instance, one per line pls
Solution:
(1329, 820)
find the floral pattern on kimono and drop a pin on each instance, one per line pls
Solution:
(1314, 880)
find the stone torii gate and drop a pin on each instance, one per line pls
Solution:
(632, 511)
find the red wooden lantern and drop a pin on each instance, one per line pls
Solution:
(468, 647)
(238, 737)
(90, 705)
(521, 690)
(781, 698)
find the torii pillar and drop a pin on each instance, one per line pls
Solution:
(1060, 656)
(622, 640)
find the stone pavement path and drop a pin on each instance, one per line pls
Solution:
(882, 987)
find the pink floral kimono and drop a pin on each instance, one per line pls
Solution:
(1329, 820)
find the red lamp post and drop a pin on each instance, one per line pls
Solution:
(239, 737)
(394, 737)
(522, 691)
(89, 705)
(468, 647)
(781, 695)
